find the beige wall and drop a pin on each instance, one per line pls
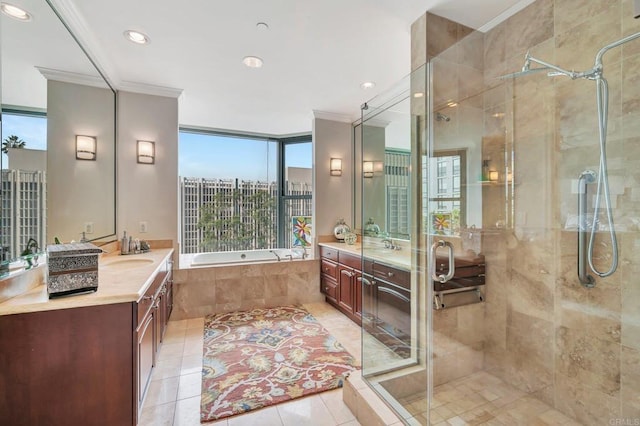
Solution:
(148, 192)
(79, 191)
(332, 197)
(27, 159)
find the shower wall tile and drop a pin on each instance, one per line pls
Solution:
(471, 49)
(529, 27)
(585, 357)
(570, 13)
(442, 33)
(529, 361)
(419, 42)
(583, 403)
(629, 26)
(630, 386)
(577, 47)
(631, 84)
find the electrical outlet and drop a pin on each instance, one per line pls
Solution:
(142, 228)
(88, 227)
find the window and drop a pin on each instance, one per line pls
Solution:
(446, 207)
(23, 163)
(233, 196)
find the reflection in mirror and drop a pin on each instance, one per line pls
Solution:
(383, 160)
(51, 92)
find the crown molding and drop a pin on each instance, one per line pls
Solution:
(332, 116)
(81, 32)
(149, 89)
(505, 15)
(72, 77)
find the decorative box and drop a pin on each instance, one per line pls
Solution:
(72, 268)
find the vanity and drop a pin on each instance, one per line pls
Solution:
(86, 359)
(374, 292)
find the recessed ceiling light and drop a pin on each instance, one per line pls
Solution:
(15, 12)
(137, 37)
(252, 61)
(368, 85)
(262, 26)
(418, 95)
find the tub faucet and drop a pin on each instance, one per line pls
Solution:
(275, 254)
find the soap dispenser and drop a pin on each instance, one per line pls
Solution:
(124, 244)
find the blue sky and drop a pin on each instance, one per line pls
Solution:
(200, 155)
(223, 157)
(32, 129)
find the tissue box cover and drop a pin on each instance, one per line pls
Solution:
(72, 268)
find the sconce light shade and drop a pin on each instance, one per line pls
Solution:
(335, 166)
(146, 152)
(85, 147)
(367, 169)
(493, 176)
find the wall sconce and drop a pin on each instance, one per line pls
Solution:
(367, 169)
(146, 152)
(493, 175)
(335, 167)
(85, 147)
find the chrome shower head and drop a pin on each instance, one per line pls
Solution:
(441, 117)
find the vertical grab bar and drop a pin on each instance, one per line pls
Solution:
(588, 176)
(452, 266)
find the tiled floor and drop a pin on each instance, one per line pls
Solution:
(173, 397)
(483, 399)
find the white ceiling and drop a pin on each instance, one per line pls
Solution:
(316, 53)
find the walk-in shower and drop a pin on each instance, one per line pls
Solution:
(602, 177)
(500, 181)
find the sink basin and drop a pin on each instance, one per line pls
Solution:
(128, 263)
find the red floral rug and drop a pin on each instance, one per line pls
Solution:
(263, 357)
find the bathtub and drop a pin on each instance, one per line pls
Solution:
(248, 256)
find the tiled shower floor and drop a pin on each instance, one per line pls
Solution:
(483, 399)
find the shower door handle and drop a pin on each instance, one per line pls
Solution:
(452, 266)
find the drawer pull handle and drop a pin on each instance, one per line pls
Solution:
(390, 274)
(147, 298)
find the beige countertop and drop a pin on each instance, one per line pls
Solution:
(126, 282)
(400, 258)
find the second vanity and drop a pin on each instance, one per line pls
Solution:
(86, 359)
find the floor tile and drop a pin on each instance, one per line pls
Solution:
(306, 411)
(187, 412)
(158, 415)
(338, 409)
(190, 385)
(161, 391)
(191, 364)
(265, 417)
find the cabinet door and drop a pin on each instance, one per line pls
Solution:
(357, 290)
(146, 351)
(346, 284)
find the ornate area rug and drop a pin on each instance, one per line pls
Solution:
(262, 357)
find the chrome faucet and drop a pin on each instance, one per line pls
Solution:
(388, 244)
(275, 254)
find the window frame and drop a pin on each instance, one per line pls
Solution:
(282, 231)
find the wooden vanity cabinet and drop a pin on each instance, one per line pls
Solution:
(340, 281)
(87, 365)
(154, 309)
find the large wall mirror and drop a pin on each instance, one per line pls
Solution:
(383, 160)
(58, 133)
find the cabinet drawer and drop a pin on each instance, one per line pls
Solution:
(147, 300)
(329, 268)
(329, 287)
(351, 260)
(329, 253)
(393, 275)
